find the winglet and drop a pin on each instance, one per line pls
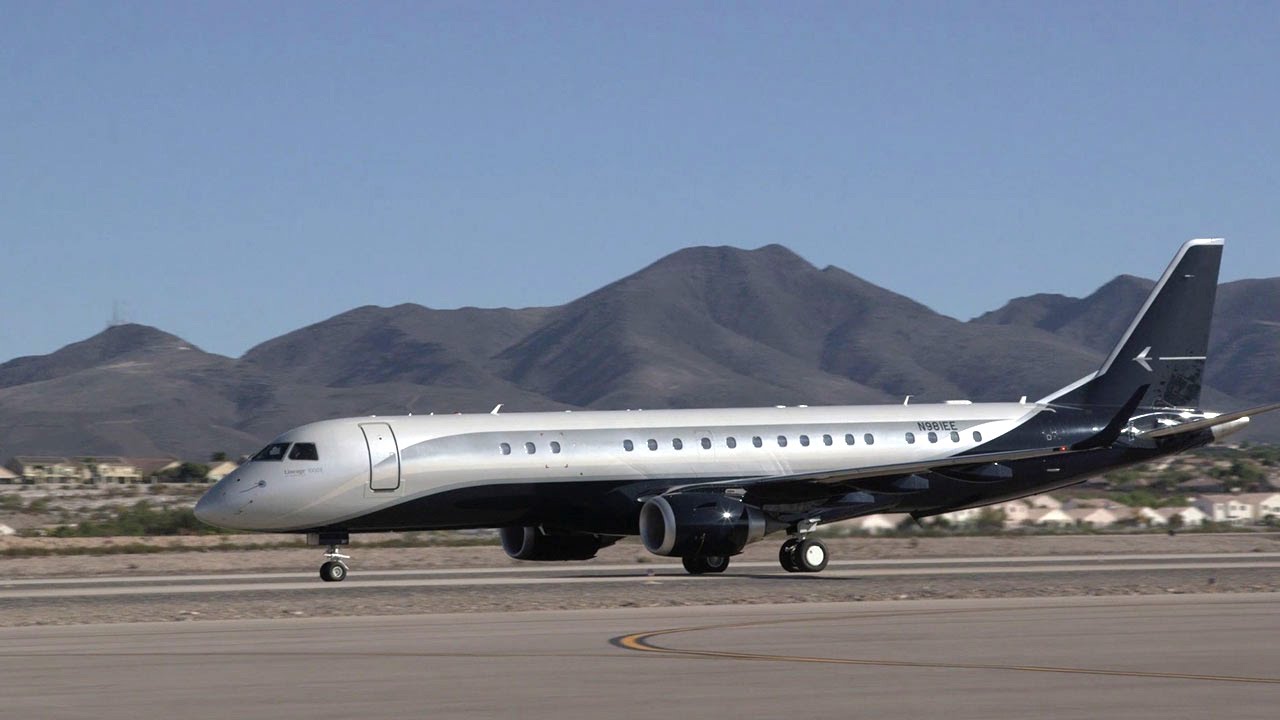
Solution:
(1111, 432)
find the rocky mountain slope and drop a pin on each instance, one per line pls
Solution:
(701, 327)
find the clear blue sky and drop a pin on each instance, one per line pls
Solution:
(231, 171)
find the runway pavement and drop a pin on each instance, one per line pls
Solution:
(1186, 656)
(588, 574)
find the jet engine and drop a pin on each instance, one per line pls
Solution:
(532, 543)
(699, 524)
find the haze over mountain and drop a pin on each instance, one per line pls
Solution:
(705, 326)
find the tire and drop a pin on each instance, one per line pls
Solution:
(705, 564)
(787, 555)
(716, 563)
(333, 572)
(811, 555)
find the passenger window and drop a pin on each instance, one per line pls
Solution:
(677, 443)
(304, 451)
(731, 442)
(848, 439)
(529, 448)
(505, 448)
(706, 443)
(555, 446)
(804, 440)
(782, 441)
(955, 436)
(274, 452)
(933, 437)
(977, 436)
(869, 439)
(653, 444)
(628, 445)
(826, 440)
(757, 441)
(911, 438)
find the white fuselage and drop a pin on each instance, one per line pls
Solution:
(366, 465)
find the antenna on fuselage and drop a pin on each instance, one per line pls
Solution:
(495, 409)
(907, 401)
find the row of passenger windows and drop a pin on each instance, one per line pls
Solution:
(756, 441)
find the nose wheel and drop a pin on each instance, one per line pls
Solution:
(335, 569)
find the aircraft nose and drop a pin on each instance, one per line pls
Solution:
(213, 508)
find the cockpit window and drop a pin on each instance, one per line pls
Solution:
(304, 451)
(274, 451)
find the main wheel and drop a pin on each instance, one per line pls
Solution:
(787, 555)
(703, 564)
(811, 555)
(333, 572)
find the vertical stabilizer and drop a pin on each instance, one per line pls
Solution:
(1165, 345)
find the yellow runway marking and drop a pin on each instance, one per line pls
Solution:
(642, 642)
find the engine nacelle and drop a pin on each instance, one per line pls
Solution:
(531, 543)
(699, 524)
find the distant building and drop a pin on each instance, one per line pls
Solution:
(1092, 516)
(1186, 516)
(1123, 513)
(110, 470)
(961, 517)
(151, 467)
(1047, 516)
(1015, 512)
(40, 469)
(219, 470)
(9, 477)
(1045, 501)
(1152, 516)
(1268, 505)
(1239, 508)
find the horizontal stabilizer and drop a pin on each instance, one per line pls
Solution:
(1208, 423)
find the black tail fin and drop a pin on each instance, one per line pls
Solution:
(1165, 346)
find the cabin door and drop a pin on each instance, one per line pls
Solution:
(384, 456)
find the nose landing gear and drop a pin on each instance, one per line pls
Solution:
(335, 567)
(335, 570)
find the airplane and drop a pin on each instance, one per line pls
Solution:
(702, 484)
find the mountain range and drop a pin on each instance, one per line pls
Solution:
(705, 326)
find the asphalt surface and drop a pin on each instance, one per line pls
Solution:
(536, 574)
(1184, 656)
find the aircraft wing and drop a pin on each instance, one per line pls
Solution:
(893, 478)
(1208, 423)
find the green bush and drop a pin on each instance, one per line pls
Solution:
(142, 518)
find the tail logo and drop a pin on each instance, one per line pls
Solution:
(1144, 358)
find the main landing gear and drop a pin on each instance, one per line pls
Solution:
(704, 564)
(803, 554)
(335, 567)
